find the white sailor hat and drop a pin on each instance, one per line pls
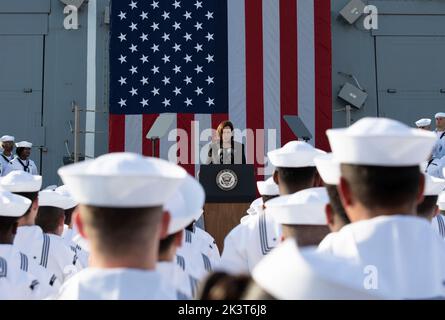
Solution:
(290, 273)
(440, 115)
(253, 209)
(423, 123)
(268, 187)
(433, 186)
(63, 190)
(21, 181)
(51, 187)
(7, 139)
(305, 207)
(185, 206)
(381, 142)
(441, 201)
(328, 169)
(295, 154)
(122, 180)
(50, 198)
(23, 144)
(12, 205)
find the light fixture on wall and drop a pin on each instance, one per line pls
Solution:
(355, 95)
(75, 3)
(353, 11)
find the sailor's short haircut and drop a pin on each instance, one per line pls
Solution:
(427, 207)
(118, 230)
(299, 178)
(29, 195)
(48, 218)
(377, 187)
(336, 205)
(7, 223)
(306, 235)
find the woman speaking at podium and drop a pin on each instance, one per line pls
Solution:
(226, 150)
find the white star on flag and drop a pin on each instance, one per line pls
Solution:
(133, 91)
(123, 59)
(188, 58)
(166, 81)
(123, 81)
(133, 48)
(198, 91)
(123, 37)
(133, 26)
(188, 102)
(122, 103)
(155, 69)
(133, 5)
(144, 102)
(198, 4)
(155, 48)
(210, 102)
(166, 102)
(188, 15)
(155, 4)
(155, 26)
(133, 70)
(188, 80)
(166, 15)
(144, 81)
(198, 47)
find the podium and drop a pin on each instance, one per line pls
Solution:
(230, 189)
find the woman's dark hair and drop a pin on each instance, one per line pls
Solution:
(222, 286)
(222, 126)
(220, 131)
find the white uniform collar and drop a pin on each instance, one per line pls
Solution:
(29, 232)
(408, 255)
(116, 284)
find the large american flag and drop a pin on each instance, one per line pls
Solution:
(250, 61)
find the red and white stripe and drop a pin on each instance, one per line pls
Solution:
(279, 64)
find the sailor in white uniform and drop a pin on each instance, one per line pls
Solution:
(30, 239)
(69, 230)
(336, 216)
(121, 198)
(7, 144)
(208, 244)
(428, 208)
(22, 161)
(380, 187)
(292, 273)
(438, 222)
(198, 255)
(424, 124)
(268, 190)
(439, 148)
(184, 207)
(301, 216)
(16, 279)
(255, 237)
(63, 261)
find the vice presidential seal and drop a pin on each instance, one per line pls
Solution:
(227, 180)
